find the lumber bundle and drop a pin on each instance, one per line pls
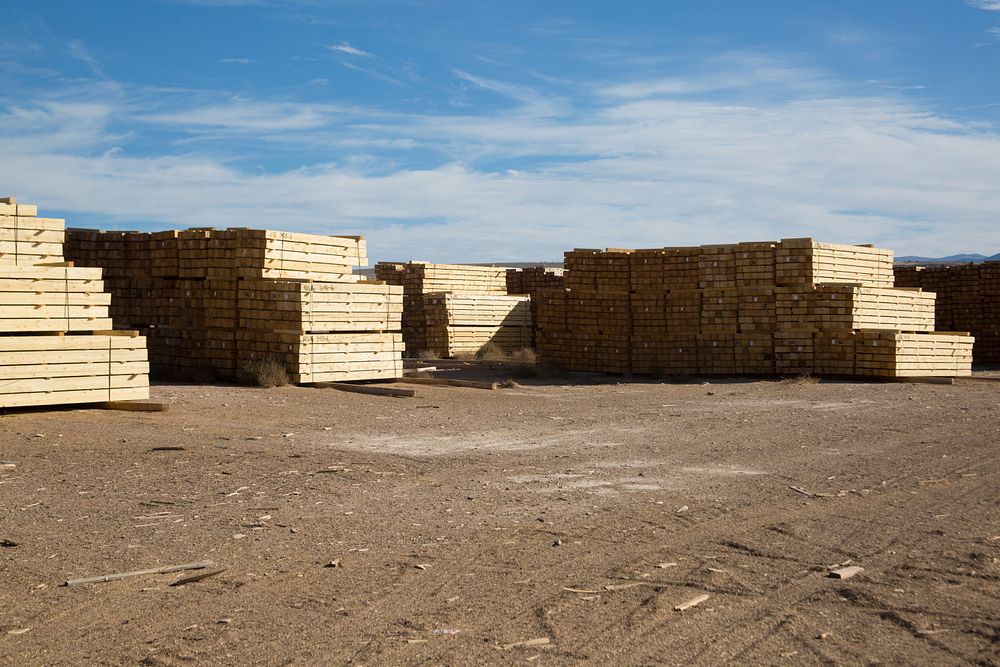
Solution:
(794, 306)
(56, 346)
(530, 280)
(446, 308)
(968, 299)
(807, 262)
(26, 239)
(210, 301)
(237, 253)
(454, 309)
(894, 354)
(329, 357)
(56, 370)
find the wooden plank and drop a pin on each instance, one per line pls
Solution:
(135, 406)
(365, 389)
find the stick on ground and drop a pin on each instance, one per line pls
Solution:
(138, 573)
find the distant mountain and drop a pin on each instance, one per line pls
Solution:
(951, 259)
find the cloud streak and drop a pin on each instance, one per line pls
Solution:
(344, 47)
(988, 5)
(693, 158)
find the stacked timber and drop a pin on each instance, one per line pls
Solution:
(968, 299)
(212, 300)
(530, 281)
(453, 309)
(790, 307)
(56, 343)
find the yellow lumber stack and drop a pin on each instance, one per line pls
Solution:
(56, 346)
(455, 309)
(790, 307)
(968, 299)
(213, 300)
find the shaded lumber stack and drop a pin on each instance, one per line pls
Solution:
(455, 309)
(212, 300)
(460, 324)
(530, 281)
(56, 343)
(759, 308)
(968, 299)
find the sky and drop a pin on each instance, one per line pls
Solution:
(468, 131)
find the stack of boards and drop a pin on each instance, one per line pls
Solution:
(212, 300)
(452, 310)
(968, 299)
(56, 343)
(790, 307)
(531, 281)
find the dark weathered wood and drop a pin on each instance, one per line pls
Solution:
(197, 577)
(138, 573)
(471, 384)
(367, 389)
(135, 406)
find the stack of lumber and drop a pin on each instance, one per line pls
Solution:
(56, 343)
(530, 281)
(460, 324)
(26, 239)
(968, 299)
(794, 306)
(455, 309)
(212, 300)
(237, 253)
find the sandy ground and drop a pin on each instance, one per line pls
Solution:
(544, 524)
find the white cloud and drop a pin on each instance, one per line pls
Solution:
(989, 5)
(243, 115)
(237, 61)
(344, 47)
(80, 51)
(639, 167)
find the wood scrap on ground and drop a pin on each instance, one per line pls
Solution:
(366, 389)
(138, 573)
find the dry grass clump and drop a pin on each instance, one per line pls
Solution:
(805, 378)
(525, 355)
(263, 372)
(491, 352)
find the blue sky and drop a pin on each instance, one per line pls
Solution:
(475, 131)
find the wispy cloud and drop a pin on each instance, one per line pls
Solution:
(641, 167)
(238, 61)
(988, 5)
(80, 51)
(344, 47)
(246, 116)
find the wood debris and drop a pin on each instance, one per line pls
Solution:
(137, 573)
(693, 602)
(846, 572)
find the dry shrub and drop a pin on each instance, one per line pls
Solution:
(525, 355)
(263, 372)
(491, 352)
(805, 378)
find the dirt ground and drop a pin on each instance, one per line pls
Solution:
(551, 523)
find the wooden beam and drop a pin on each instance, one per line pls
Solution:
(367, 389)
(134, 406)
(470, 384)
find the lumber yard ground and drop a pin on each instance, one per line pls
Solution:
(551, 523)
